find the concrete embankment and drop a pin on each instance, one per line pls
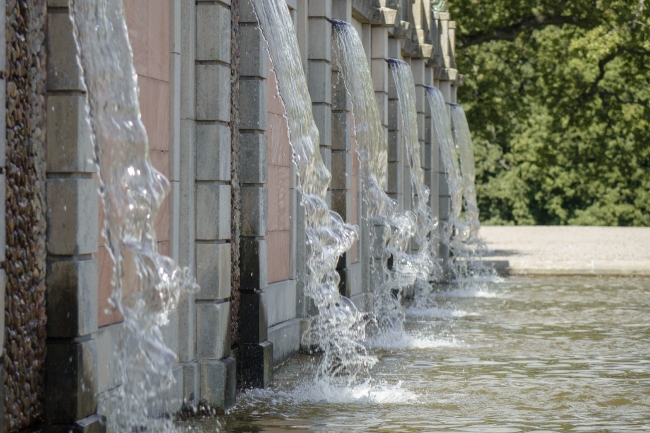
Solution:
(553, 250)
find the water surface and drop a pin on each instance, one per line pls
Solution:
(524, 354)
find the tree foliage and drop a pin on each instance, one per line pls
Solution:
(557, 94)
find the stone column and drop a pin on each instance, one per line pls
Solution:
(72, 238)
(255, 352)
(212, 143)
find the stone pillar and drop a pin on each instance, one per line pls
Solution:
(212, 146)
(432, 151)
(320, 75)
(183, 176)
(72, 238)
(255, 352)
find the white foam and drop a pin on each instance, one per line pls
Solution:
(323, 392)
(444, 313)
(402, 340)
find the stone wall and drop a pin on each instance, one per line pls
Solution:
(22, 180)
(217, 130)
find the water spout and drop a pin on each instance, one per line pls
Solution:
(132, 192)
(339, 328)
(397, 269)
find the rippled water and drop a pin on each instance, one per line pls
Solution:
(552, 354)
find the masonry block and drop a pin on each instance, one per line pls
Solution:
(323, 119)
(213, 152)
(213, 205)
(382, 106)
(320, 81)
(212, 330)
(379, 71)
(213, 271)
(341, 100)
(341, 170)
(394, 178)
(254, 158)
(254, 210)
(341, 130)
(340, 203)
(254, 323)
(71, 376)
(395, 119)
(69, 143)
(219, 383)
(186, 327)
(379, 43)
(92, 424)
(191, 384)
(444, 185)
(254, 104)
(72, 216)
(247, 13)
(71, 298)
(280, 302)
(320, 8)
(445, 207)
(286, 340)
(320, 36)
(326, 154)
(253, 264)
(255, 370)
(63, 70)
(256, 61)
(212, 32)
(212, 89)
(394, 146)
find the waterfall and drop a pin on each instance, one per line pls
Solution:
(454, 232)
(372, 150)
(426, 223)
(132, 192)
(339, 328)
(463, 141)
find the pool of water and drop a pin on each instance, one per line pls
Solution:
(523, 354)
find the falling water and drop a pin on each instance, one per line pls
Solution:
(463, 140)
(132, 192)
(426, 223)
(454, 232)
(372, 151)
(338, 328)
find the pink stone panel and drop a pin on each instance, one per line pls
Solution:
(154, 106)
(279, 244)
(284, 198)
(279, 152)
(137, 18)
(148, 23)
(273, 193)
(158, 41)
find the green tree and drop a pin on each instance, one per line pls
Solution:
(557, 94)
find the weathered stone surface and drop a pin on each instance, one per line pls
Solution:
(212, 211)
(212, 152)
(286, 340)
(212, 330)
(254, 104)
(255, 63)
(255, 370)
(92, 424)
(72, 378)
(213, 271)
(63, 70)
(219, 383)
(253, 264)
(69, 142)
(71, 298)
(254, 205)
(254, 158)
(72, 217)
(254, 329)
(212, 32)
(212, 88)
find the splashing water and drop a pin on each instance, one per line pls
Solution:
(426, 223)
(454, 231)
(132, 192)
(372, 151)
(338, 328)
(463, 141)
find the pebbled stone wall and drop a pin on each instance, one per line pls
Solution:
(25, 318)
